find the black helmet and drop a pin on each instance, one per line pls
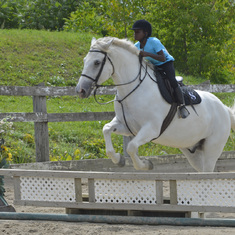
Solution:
(143, 24)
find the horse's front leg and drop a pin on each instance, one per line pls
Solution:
(145, 135)
(118, 128)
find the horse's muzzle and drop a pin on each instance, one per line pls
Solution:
(84, 89)
(82, 94)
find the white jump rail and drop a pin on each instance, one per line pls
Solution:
(189, 192)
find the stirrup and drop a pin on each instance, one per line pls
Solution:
(183, 111)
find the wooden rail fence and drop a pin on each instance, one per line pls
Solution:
(40, 117)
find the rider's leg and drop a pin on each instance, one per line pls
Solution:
(183, 112)
(170, 73)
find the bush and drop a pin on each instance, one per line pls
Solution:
(9, 14)
(36, 14)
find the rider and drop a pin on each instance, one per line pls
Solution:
(156, 53)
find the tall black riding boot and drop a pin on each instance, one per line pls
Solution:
(182, 110)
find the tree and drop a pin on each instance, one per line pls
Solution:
(47, 14)
(122, 14)
(106, 17)
(197, 33)
(87, 18)
(36, 14)
(9, 14)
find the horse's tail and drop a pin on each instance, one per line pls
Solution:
(232, 116)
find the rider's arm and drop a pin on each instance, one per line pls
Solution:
(159, 56)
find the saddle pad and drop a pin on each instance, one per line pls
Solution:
(191, 96)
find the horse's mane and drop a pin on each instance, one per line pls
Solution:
(123, 43)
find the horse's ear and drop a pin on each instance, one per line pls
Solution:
(93, 40)
(108, 44)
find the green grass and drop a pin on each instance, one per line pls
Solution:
(29, 57)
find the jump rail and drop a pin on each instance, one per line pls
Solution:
(141, 191)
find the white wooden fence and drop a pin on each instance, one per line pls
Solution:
(130, 192)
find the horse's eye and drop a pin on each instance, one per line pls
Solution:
(97, 62)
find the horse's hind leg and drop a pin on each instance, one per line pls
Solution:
(196, 160)
(205, 157)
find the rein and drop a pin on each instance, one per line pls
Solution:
(122, 84)
(115, 85)
(173, 108)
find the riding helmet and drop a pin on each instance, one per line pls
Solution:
(143, 24)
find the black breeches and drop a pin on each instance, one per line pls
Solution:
(169, 69)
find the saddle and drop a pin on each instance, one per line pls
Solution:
(191, 97)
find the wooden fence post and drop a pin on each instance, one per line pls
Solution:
(41, 129)
(173, 192)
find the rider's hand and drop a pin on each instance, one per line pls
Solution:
(143, 53)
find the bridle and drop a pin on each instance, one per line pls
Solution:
(101, 68)
(95, 80)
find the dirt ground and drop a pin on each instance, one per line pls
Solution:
(23, 227)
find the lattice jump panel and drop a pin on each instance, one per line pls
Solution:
(47, 189)
(125, 191)
(209, 192)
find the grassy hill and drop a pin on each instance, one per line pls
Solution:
(29, 57)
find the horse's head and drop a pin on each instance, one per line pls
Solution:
(98, 67)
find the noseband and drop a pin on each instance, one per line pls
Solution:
(101, 68)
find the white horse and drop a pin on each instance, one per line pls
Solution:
(140, 108)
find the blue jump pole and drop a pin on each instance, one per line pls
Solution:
(119, 219)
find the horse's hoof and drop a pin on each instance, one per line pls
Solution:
(122, 161)
(149, 164)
